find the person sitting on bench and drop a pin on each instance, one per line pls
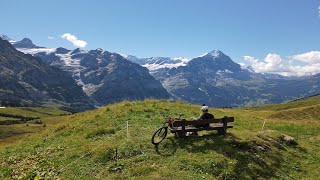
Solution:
(205, 115)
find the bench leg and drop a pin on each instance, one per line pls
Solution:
(221, 131)
(179, 134)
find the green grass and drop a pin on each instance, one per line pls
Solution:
(95, 145)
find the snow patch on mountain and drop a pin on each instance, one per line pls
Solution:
(204, 91)
(154, 66)
(156, 63)
(34, 51)
(182, 59)
(68, 62)
(226, 71)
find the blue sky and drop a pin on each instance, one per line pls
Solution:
(170, 28)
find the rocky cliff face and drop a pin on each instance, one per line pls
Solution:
(26, 80)
(109, 77)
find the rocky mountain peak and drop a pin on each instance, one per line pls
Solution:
(130, 56)
(4, 37)
(26, 40)
(76, 51)
(25, 43)
(5, 46)
(61, 50)
(214, 54)
(99, 50)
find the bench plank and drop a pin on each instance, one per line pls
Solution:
(179, 123)
(195, 129)
(183, 126)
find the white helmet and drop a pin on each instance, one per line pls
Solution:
(204, 108)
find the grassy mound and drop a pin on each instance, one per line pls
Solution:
(301, 109)
(300, 103)
(308, 113)
(96, 145)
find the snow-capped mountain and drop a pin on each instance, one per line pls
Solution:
(104, 76)
(25, 80)
(216, 80)
(212, 78)
(61, 58)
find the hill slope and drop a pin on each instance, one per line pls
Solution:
(96, 145)
(299, 103)
(301, 109)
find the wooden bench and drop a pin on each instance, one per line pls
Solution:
(181, 127)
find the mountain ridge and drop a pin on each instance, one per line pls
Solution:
(104, 76)
(212, 78)
(215, 79)
(28, 81)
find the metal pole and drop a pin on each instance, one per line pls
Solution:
(127, 129)
(117, 155)
(263, 124)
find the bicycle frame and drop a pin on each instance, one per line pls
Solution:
(162, 132)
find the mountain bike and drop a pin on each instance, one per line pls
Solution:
(162, 132)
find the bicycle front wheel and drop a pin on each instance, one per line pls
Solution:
(159, 135)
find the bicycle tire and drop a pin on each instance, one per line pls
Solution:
(161, 133)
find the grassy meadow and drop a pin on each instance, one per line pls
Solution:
(98, 145)
(12, 133)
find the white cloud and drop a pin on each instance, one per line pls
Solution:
(74, 40)
(273, 63)
(319, 10)
(50, 37)
(311, 57)
(306, 70)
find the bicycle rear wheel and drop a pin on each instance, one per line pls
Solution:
(159, 135)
